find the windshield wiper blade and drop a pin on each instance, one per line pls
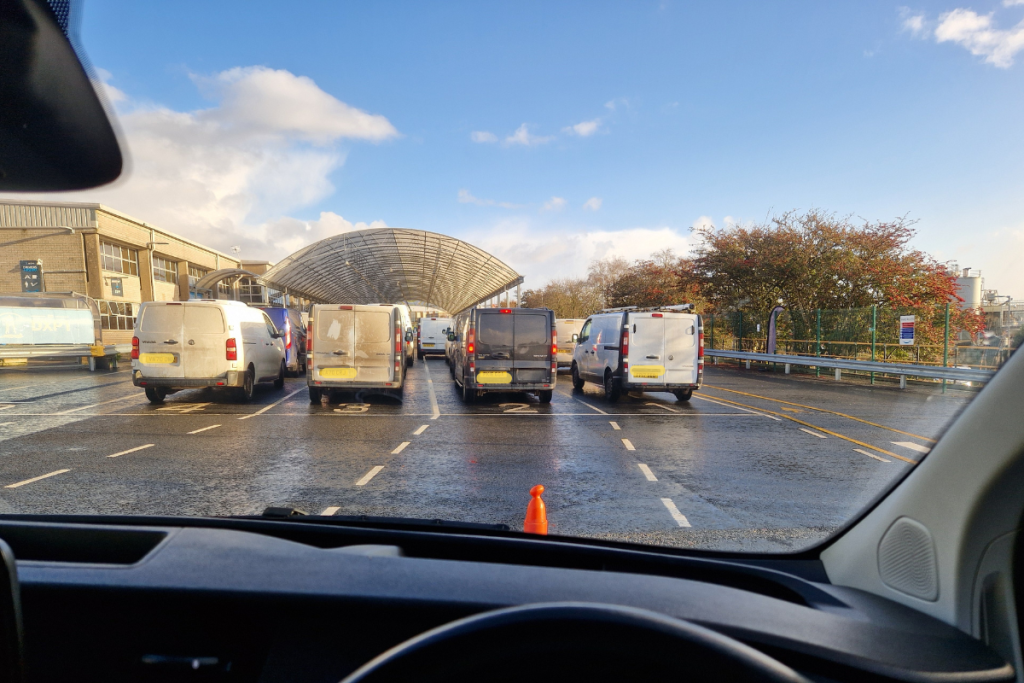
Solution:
(297, 515)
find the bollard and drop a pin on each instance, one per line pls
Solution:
(787, 368)
(748, 365)
(903, 381)
(839, 375)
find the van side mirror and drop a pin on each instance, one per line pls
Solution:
(408, 335)
(575, 337)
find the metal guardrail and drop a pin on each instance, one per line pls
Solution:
(37, 351)
(903, 370)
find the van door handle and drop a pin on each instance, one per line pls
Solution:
(340, 353)
(170, 341)
(654, 356)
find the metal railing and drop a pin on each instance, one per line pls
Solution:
(901, 370)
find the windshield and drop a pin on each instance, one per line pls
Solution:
(786, 238)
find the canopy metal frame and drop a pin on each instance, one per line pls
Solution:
(393, 265)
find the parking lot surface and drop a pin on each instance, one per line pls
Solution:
(756, 461)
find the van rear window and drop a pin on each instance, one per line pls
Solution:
(494, 329)
(204, 319)
(533, 337)
(162, 319)
(373, 327)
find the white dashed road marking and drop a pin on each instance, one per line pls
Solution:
(615, 426)
(329, 512)
(204, 429)
(420, 430)
(658, 405)
(102, 403)
(369, 475)
(272, 405)
(647, 472)
(870, 455)
(808, 431)
(401, 447)
(29, 481)
(628, 444)
(131, 450)
(9, 405)
(435, 411)
(912, 446)
(676, 514)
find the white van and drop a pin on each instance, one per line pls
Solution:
(432, 335)
(205, 343)
(568, 332)
(355, 347)
(633, 349)
(408, 334)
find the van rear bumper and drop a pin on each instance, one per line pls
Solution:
(518, 386)
(229, 379)
(322, 384)
(633, 386)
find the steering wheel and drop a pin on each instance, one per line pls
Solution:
(567, 641)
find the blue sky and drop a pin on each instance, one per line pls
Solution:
(267, 125)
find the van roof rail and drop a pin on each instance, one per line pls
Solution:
(637, 309)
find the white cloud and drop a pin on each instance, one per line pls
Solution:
(1012, 3)
(108, 92)
(977, 33)
(540, 254)
(225, 175)
(523, 136)
(593, 204)
(554, 204)
(585, 128)
(913, 22)
(465, 197)
(483, 136)
(706, 221)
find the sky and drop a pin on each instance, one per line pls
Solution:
(552, 134)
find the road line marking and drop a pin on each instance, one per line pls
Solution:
(8, 406)
(4, 424)
(647, 473)
(401, 447)
(808, 431)
(674, 511)
(435, 412)
(835, 434)
(583, 402)
(369, 475)
(29, 481)
(628, 444)
(204, 429)
(658, 405)
(820, 410)
(870, 455)
(912, 446)
(103, 403)
(275, 403)
(420, 430)
(329, 511)
(746, 410)
(132, 450)
(615, 426)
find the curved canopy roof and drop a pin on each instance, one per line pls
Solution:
(393, 265)
(210, 279)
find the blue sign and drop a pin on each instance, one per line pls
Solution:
(116, 287)
(907, 330)
(31, 276)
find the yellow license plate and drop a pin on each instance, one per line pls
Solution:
(565, 350)
(494, 378)
(338, 373)
(157, 358)
(428, 345)
(647, 371)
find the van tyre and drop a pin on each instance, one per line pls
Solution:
(545, 395)
(577, 381)
(248, 384)
(468, 395)
(409, 360)
(279, 382)
(156, 394)
(611, 388)
(314, 394)
(683, 394)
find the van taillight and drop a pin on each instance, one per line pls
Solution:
(287, 334)
(506, 310)
(231, 349)
(135, 348)
(625, 349)
(700, 345)
(309, 339)
(471, 342)
(657, 315)
(349, 308)
(554, 342)
(398, 339)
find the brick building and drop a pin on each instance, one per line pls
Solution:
(111, 257)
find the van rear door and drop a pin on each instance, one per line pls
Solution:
(160, 340)
(647, 348)
(532, 349)
(334, 348)
(374, 352)
(681, 347)
(495, 336)
(204, 353)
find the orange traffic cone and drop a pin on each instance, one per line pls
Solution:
(536, 514)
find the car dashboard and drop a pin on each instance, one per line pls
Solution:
(259, 600)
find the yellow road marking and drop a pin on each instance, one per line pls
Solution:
(820, 410)
(822, 429)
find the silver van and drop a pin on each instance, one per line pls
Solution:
(647, 350)
(212, 343)
(355, 347)
(568, 333)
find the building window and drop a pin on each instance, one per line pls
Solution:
(196, 274)
(117, 315)
(119, 259)
(251, 291)
(165, 270)
(224, 289)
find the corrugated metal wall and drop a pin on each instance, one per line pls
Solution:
(41, 216)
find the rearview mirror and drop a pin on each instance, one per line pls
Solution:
(408, 335)
(575, 338)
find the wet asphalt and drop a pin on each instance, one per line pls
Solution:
(756, 461)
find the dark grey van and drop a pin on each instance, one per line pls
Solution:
(505, 349)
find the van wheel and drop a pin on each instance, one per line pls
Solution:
(409, 360)
(577, 381)
(245, 393)
(545, 396)
(611, 388)
(279, 382)
(683, 394)
(468, 395)
(314, 394)
(419, 355)
(156, 394)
